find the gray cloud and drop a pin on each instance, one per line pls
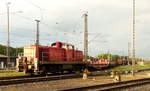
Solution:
(62, 21)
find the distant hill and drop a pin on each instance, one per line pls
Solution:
(13, 51)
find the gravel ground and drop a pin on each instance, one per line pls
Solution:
(70, 83)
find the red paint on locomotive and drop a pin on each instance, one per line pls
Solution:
(54, 53)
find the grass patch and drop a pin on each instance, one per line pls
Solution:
(129, 67)
(10, 74)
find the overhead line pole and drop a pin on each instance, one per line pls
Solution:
(85, 36)
(133, 53)
(8, 37)
(37, 32)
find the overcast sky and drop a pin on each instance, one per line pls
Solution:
(61, 20)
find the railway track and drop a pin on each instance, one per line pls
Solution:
(113, 86)
(32, 79)
(14, 81)
(14, 77)
(28, 79)
(4, 81)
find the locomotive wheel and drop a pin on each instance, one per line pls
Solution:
(44, 71)
(70, 71)
(20, 70)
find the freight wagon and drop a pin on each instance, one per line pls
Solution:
(98, 63)
(105, 63)
(58, 57)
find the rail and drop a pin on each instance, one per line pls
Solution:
(112, 86)
(22, 80)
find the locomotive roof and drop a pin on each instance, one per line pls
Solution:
(63, 43)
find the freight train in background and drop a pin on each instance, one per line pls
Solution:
(57, 58)
(105, 63)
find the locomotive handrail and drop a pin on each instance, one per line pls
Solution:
(43, 55)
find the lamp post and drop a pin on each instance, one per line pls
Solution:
(8, 34)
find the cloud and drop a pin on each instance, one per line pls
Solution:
(62, 21)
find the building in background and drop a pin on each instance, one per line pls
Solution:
(3, 62)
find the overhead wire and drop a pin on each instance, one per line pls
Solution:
(94, 37)
(41, 10)
(41, 22)
(31, 19)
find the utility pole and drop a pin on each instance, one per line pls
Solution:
(37, 32)
(133, 53)
(8, 37)
(85, 36)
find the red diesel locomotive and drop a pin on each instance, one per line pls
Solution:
(58, 57)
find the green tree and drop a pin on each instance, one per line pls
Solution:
(13, 51)
(110, 56)
(104, 56)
